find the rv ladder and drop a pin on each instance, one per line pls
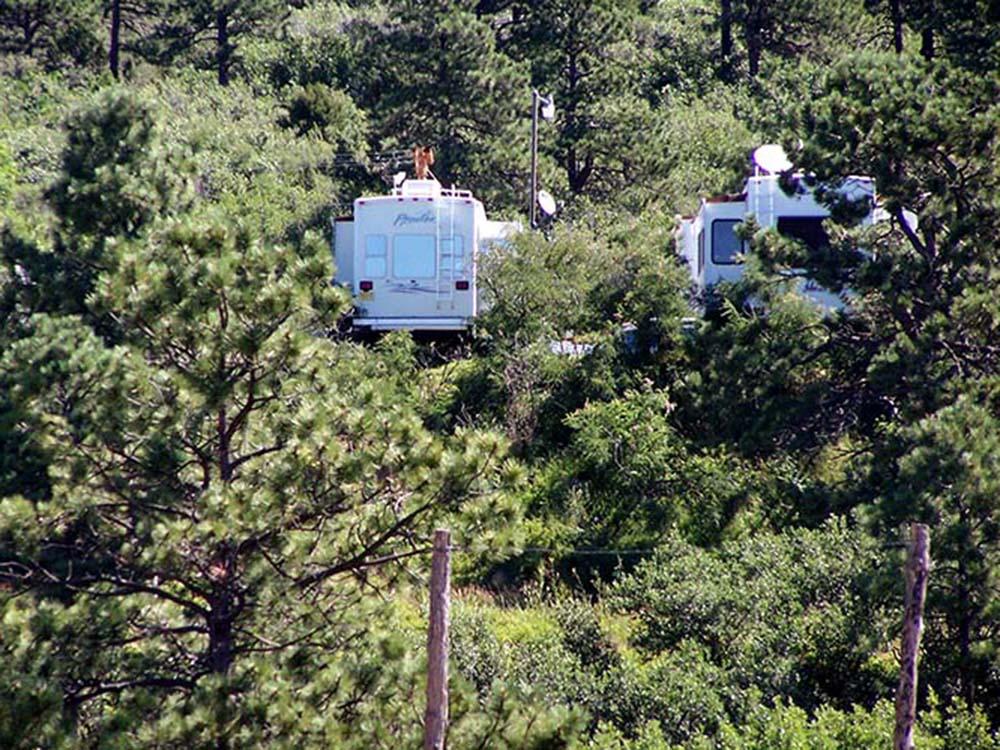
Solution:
(445, 261)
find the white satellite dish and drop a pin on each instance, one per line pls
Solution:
(546, 202)
(771, 158)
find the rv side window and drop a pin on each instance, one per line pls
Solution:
(808, 229)
(453, 253)
(375, 255)
(413, 256)
(725, 244)
(701, 251)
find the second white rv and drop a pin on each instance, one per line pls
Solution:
(709, 241)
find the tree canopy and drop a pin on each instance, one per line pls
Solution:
(678, 526)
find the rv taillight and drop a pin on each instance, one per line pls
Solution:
(462, 286)
(366, 286)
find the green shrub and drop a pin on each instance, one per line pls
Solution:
(787, 614)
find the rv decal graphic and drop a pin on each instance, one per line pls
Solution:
(411, 288)
(404, 220)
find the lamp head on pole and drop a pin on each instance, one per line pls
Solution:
(548, 110)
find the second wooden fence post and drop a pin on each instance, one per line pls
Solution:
(436, 716)
(918, 565)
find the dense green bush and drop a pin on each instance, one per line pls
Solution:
(786, 614)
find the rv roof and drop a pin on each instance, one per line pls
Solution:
(727, 198)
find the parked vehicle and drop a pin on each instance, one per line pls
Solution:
(411, 257)
(714, 251)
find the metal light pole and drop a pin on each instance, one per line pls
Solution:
(533, 182)
(548, 111)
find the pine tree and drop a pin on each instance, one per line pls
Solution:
(920, 349)
(223, 481)
(117, 178)
(950, 479)
(208, 31)
(582, 53)
(433, 76)
(926, 135)
(61, 33)
(223, 485)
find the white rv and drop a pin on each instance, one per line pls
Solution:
(410, 257)
(709, 242)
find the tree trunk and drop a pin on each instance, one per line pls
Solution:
(966, 679)
(225, 464)
(115, 43)
(221, 617)
(222, 50)
(752, 34)
(571, 123)
(220, 655)
(927, 43)
(28, 30)
(753, 57)
(896, 14)
(927, 32)
(220, 635)
(726, 38)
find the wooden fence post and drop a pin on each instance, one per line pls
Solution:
(436, 716)
(918, 564)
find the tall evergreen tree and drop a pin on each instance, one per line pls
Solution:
(208, 31)
(950, 479)
(61, 33)
(928, 136)
(117, 178)
(967, 32)
(433, 75)
(224, 484)
(923, 329)
(784, 28)
(582, 54)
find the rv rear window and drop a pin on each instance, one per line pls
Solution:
(413, 256)
(375, 260)
(453, 253)
(725, 244)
